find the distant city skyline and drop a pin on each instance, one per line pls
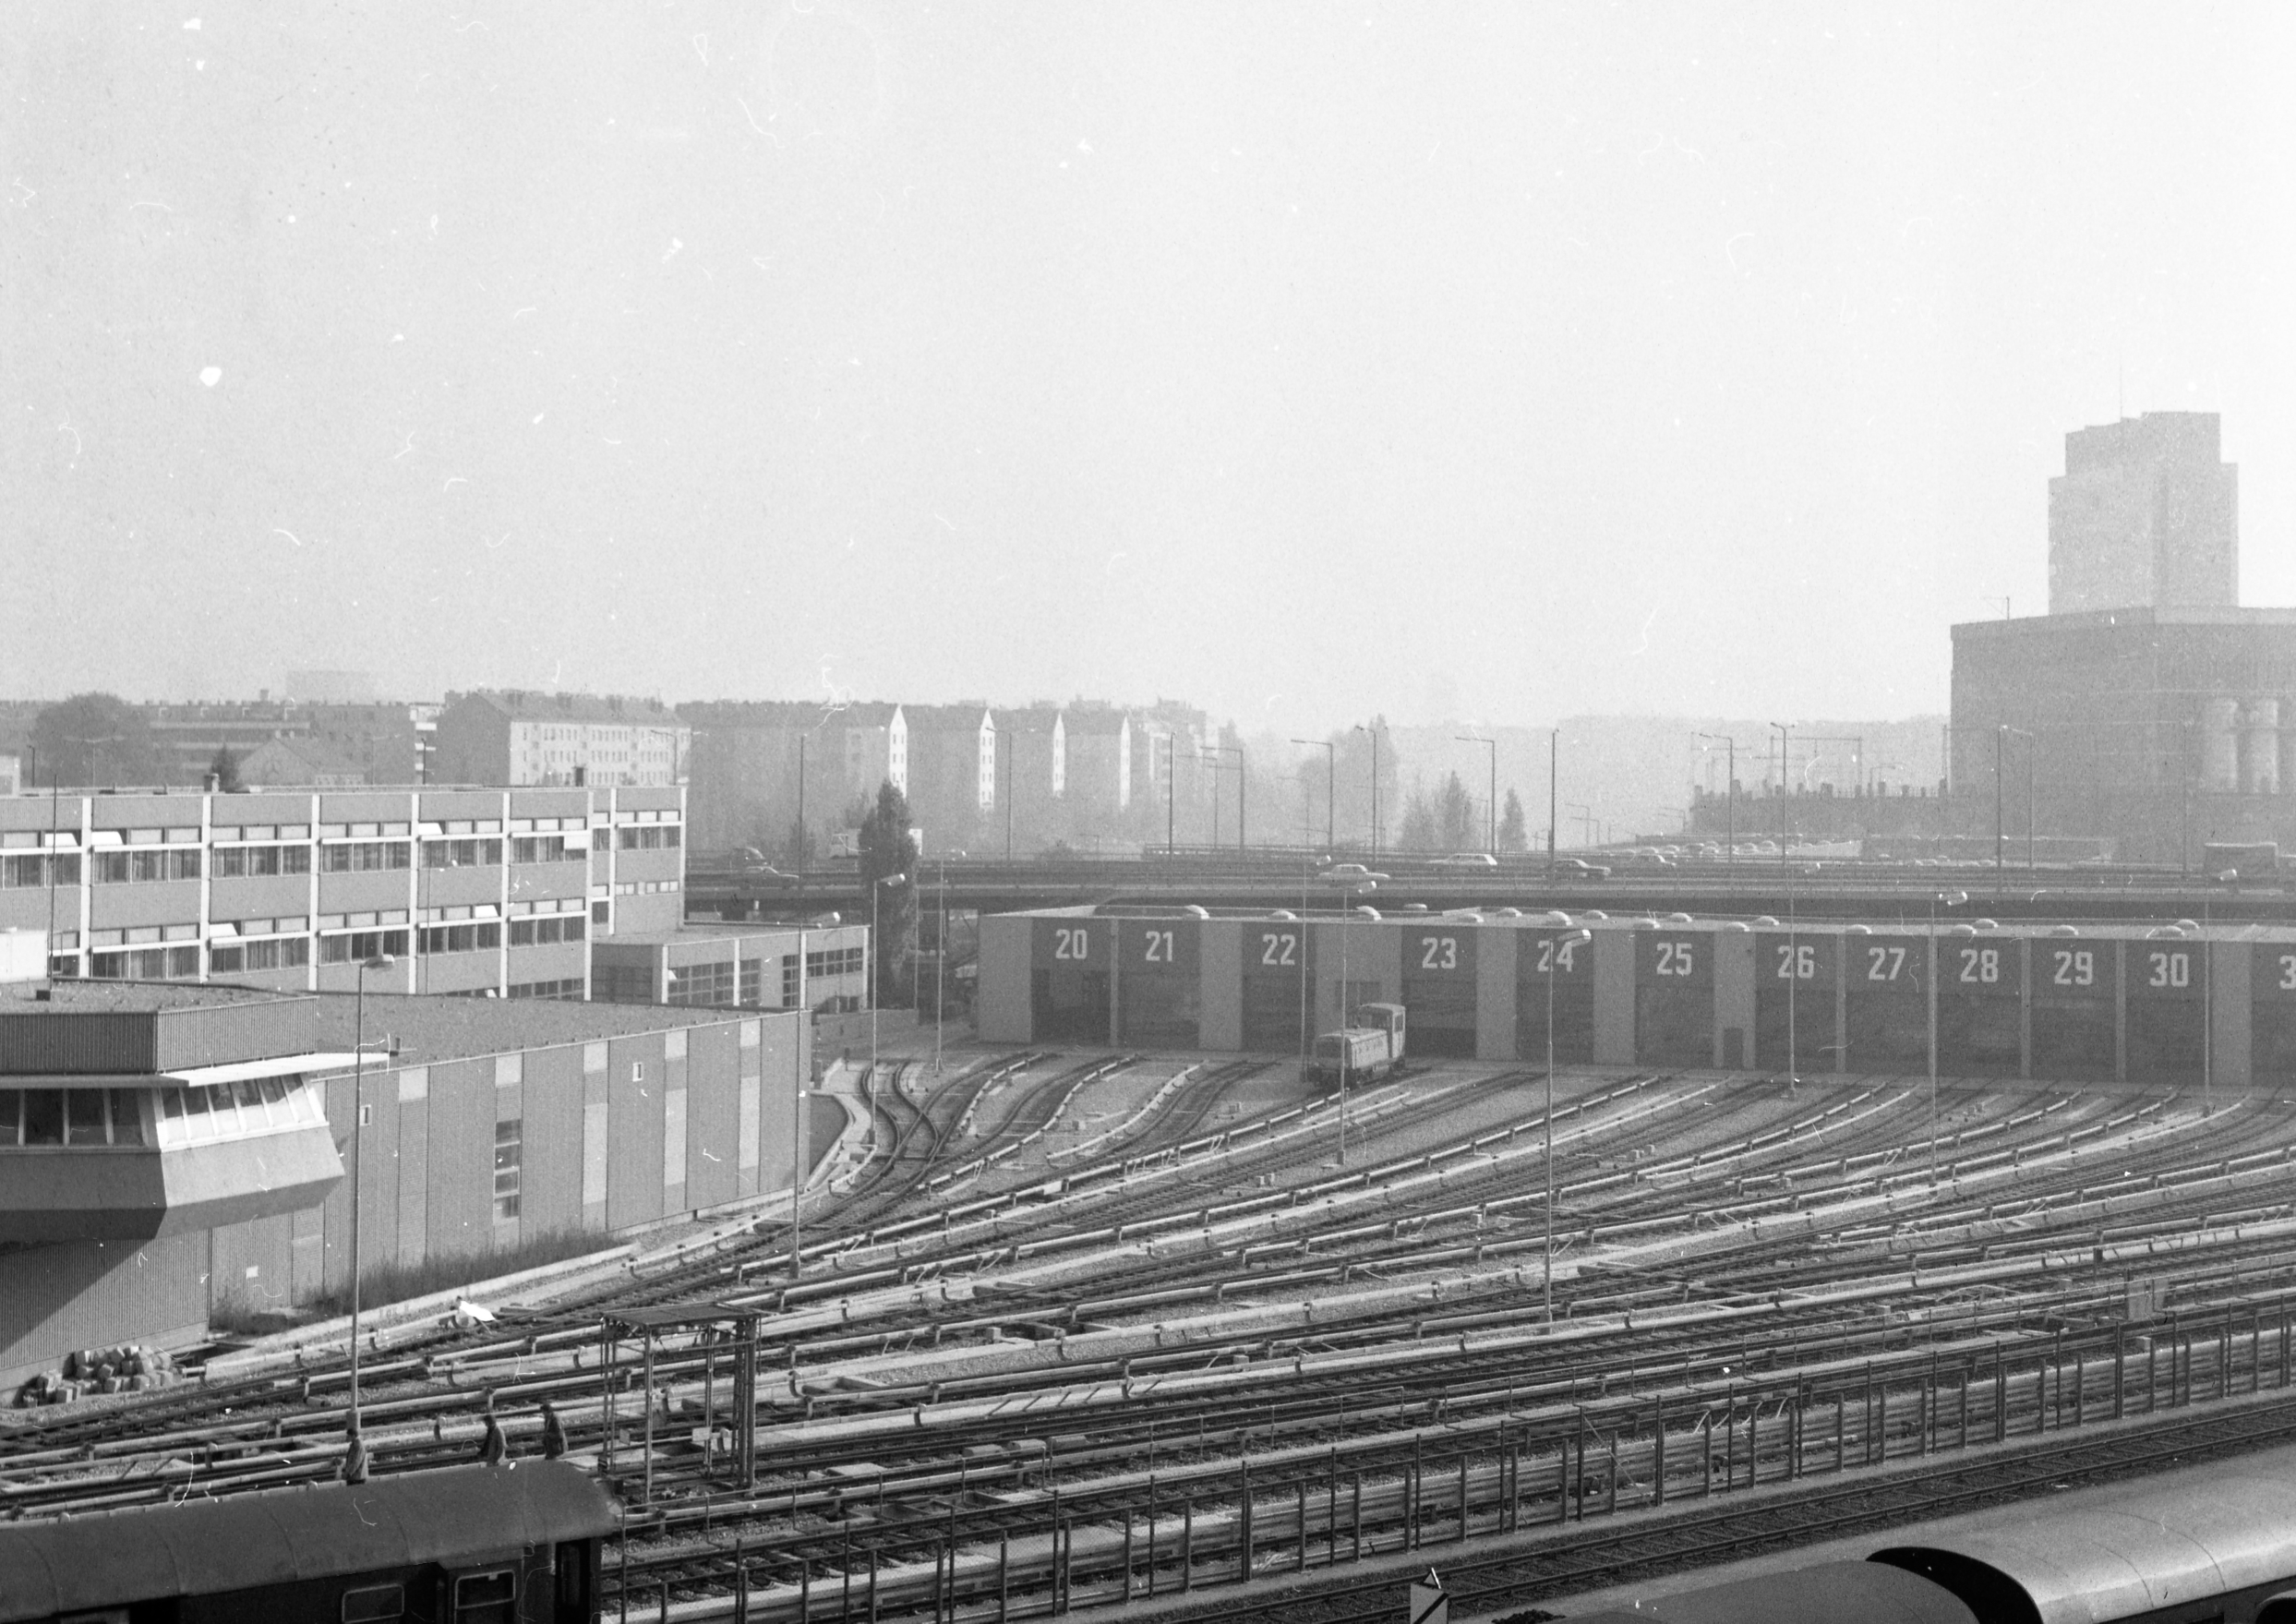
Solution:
(1564, 361)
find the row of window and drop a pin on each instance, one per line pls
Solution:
(37, 872)
(534, 933)
(233, 863)
(354, 857)
(252, 1105)
(145, 964)
(568, 991)
(238, 958)
(54, 1117)
(126, 868)
(648, 837)
(356, 945)
(474, 936)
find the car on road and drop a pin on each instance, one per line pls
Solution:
(1579, 868)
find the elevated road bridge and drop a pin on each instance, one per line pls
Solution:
(1262, 882)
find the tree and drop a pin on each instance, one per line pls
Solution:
(223, 770)
(1512, 837)
(888, 849)
(1418, 831)
(95, 738)
(1456, 826)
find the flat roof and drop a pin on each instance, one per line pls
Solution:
(82, 997)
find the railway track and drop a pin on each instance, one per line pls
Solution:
(989, 1351)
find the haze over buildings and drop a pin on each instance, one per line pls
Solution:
(1579, 361)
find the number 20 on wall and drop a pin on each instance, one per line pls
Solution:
(1072, 943)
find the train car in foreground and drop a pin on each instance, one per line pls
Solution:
(2210, 1544)
(1369, 1047)
(515, 1543)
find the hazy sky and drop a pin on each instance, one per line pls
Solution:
(1518, 360)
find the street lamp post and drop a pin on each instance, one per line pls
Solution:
(1729, 795)
(380, 961)
(1950, 899)
(1351, 887)
(1331, 779)
(1491, 807)
(2004, 732)
(940, 964)
(1785, 768)
(1565, 946)
(875, 968)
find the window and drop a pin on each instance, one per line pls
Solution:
(710, 984)
(145, 964)
(140, 867)
(474, 937)
(461, 854)
(351, 857)
(237, 957)
(838, 961)
(236, 862)
(487, 1598)
(37, 872)
(358, 944)
(372, 1604)
(508, 1144)
(648, 837)
(536, 933)
(77, 1118)
(544, 848)
(752, 987)
(568, 990)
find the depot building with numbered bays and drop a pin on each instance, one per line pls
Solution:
(2052, 1004)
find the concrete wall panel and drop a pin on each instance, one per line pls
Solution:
(1220, 1003)
(713, 1114)
(551, 1152)
(1614, 998)
(1006, 947)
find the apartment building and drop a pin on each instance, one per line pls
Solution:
(517, 738)
(471, 891)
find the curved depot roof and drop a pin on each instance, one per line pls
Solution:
(2132, 1549)
(457, 1516)
(1824, 1593)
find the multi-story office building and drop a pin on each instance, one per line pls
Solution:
(2147, 707)
(821, 968)
(471, 890)
(516, 737)
(2145, 515)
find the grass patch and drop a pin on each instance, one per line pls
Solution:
(395, 1282)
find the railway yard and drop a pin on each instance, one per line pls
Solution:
(1081, 1327)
